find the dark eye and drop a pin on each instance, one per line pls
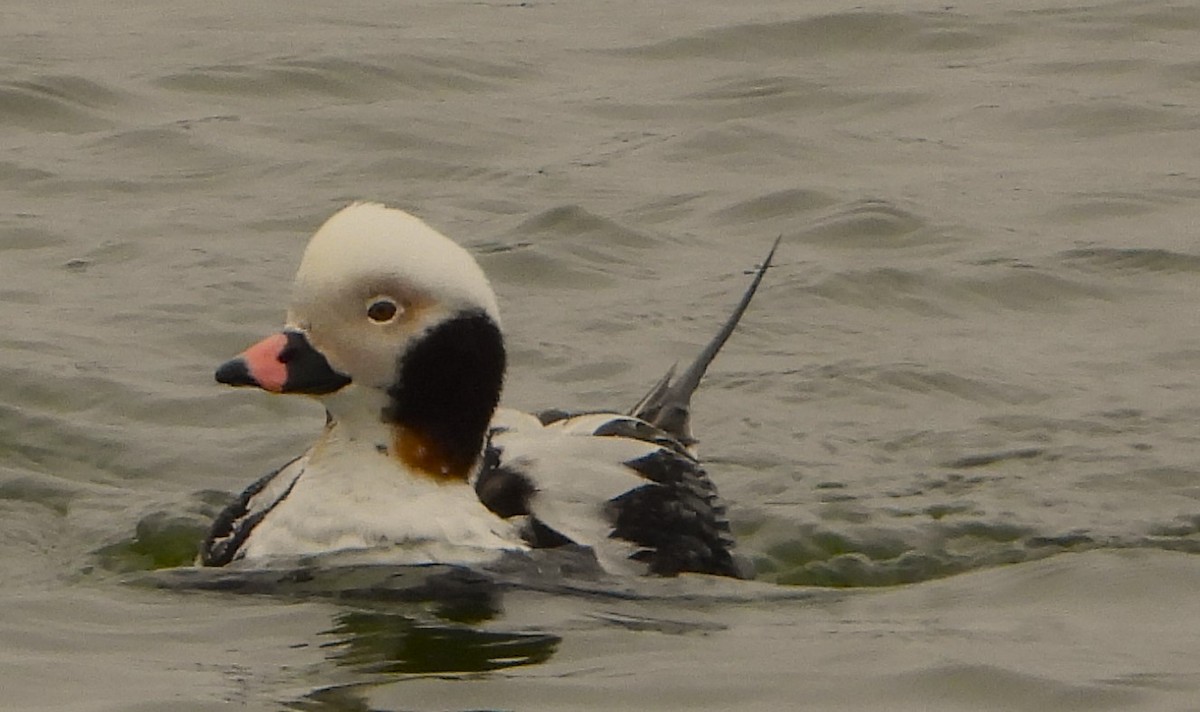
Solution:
(382, 310)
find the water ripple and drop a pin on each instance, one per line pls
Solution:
(756, 95)
(1131, 260)
(872, 223)
(1105, 117)
(869, 32)
(566, 246)
(932, 293)
(781, 203)
(66, 104)
(342, 78)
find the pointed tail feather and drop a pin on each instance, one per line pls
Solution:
(653, 398)
(668, 405)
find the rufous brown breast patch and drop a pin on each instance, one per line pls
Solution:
(425, 456)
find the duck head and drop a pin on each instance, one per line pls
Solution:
(395, 328)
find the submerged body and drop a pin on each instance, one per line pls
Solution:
(396, 330)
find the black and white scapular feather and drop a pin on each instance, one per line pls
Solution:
(395, 329)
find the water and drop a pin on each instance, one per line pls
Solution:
(963, 405)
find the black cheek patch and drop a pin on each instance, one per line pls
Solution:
(448, 385)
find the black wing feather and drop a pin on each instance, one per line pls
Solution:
(233, 525)
(677, 518)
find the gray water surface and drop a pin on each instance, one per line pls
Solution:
(963, 405)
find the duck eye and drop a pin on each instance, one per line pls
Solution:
(382, 310)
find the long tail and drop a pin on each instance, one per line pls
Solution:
(668, 405)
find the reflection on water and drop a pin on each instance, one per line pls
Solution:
(345, 698)
(380, 642)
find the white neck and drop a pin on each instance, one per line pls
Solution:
(357, 412)
(354, 496)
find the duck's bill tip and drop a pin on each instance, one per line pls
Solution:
(235, 372)
(283, 363)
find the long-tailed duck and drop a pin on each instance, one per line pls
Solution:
(395, 329)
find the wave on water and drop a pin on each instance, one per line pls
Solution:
(1131, 260)
(871, 223)
(342, 78)
(61, 103)
(567, 246)
(1105, 118)
(1105, 206)
(593, 239)
(932, 293)
(943, 540)
(787, 203)
(849, 32)
(755, 97)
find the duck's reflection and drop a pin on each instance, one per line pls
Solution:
(393, 643)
